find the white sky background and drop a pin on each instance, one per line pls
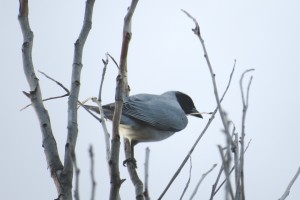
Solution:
(164, 55)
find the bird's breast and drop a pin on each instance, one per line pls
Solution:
(144, 133)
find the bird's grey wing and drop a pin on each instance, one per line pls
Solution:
(156, 111)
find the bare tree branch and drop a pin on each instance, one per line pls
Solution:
(99, 103)
(214, 188)
(49, 143)
(245, 108)
(91, 152)
(122, 90)
(88, 108)
(227, 174)
(51, 98)
(189, 180)
(200, 181)
(146, 190)
(197, 140)
(197, 32)
(288, 189)
(58, 83)
(73, 98)
(237, 166)
(77, 172)
(111, 57)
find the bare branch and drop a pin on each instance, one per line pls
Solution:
(197, 140)
(75, 87)
(58, 83)
(92, 173)
(214, 186)
(227, 174)
(245, 108)
(113, 60)
(77, 172)
(189, 179)
(105, 62)
(214, 190)
(51, 98)
(88, 108)
(200, 181)
(49, 143)
(237, 166)
(288, 189)
(146, 190)
(196, 30)
(122, 90)
(99, 103)
(245, 102)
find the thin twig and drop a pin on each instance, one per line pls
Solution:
(244, 101)
(197, 32)
(221, 169)
(288, 189)
(51, 98)
(88, 110)
(99, 103)
(237, 167)
(113, 60)
(200, 181)
(214, 190)
(189, 179)
(105, 62)
(198, 139)
(146, 190)
(91, 153)
(245, 109)
(58, 83)
(229, 190)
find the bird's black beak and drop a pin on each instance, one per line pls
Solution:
(196, 113)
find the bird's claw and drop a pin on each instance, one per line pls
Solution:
(131, 161)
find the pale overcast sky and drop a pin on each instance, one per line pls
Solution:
(164, 55)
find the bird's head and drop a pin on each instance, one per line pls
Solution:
(187, 104)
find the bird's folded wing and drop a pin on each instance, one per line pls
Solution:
(156, 112)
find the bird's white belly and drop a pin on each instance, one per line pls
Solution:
(145, 134)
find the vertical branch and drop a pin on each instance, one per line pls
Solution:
(49, 143)
(214, 188)
(73, 98)
(226, 166)
(237, 166)
(146, 191)
(77, 172)
(92, 173)
(197, 32)
(245, 108)
(122, 90)
(99, 103)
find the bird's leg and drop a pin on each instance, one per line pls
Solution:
(131, 159)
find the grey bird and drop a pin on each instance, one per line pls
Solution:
(149, 117)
